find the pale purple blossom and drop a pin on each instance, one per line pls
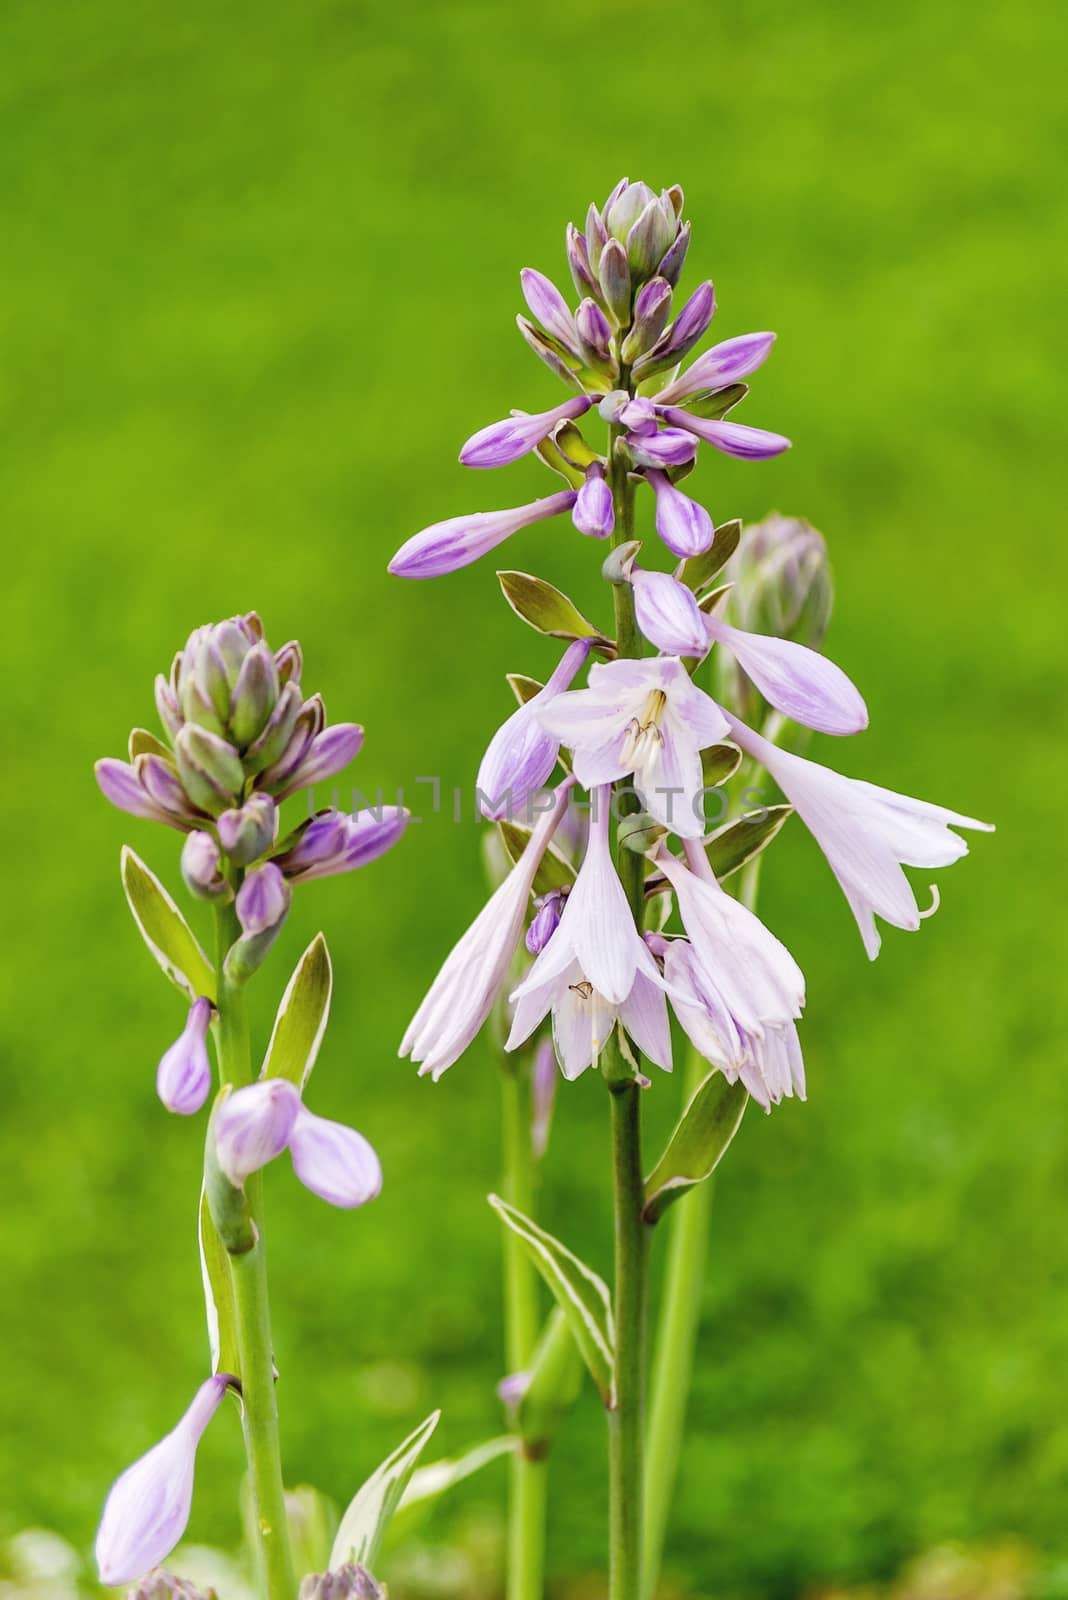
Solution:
(148, 1508)
(647, 718)
(255, 1124)
(262, 900)
(462, 995)
(521, 755)
(868, 834)
(797, 681)
(515, 436)
(721, 366)
(595, 969)
(594, 511)
(456, 542)
(123, 784)
(683, 524)
(667, 613)
(183, 1078)
(336, 842)
(638, 416)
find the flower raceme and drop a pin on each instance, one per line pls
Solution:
(147, 1510)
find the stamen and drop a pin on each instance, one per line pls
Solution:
(936, 901)
(583, 989)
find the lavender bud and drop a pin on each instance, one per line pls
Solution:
(347, 1583)
(670, 447)
(170, 712)
(248, 833)
(263, 900)
(671, 263)
(252, 1126)
(266, 749)
(289, 663)
(782, 581)
(560, 359)
(210, 768)
(624, 206)
(183, 1078)
(652, 307)
(639, 416)
(684, 525)
(547, 305)
(165, 1586)
(546, 921)
(668, 615)
(160, 782)
(594, 331)
(201, 868)
(593, 512)
(614, 275)
(650, 238)
(255, 695)
(328, 753)
(333, 1161)
(578, 260)
(677, 341)
(596, 236)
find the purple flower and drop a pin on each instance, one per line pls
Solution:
(122, 784)
(646, 718)
(595, 331)
(867, 834)
(596, 968)
(447, 546)
(797, 681)
(548, 306)
(201, 858)
(461, 996)
(255, 1124)
(748, 444)
(183, 1078)
(685, 527)
(593, 512)
(326, 754)
(670, 447)
(667, 613)
(516, 436)
(638, 416)
(334, 1161)
(521, 755)
(148, 1508)
(724, 364)
(334, 842)
(546, 920)
(263, 899)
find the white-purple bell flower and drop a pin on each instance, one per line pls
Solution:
(868, 834)
(148, 1508)
(447, 546)
(593, 512)
(513, 437)
(595, 969)
(461, 996)
(644, 717)
(183, 1078)
(253, 1125)
(521, 755)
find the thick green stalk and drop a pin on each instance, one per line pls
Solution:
(529, 1470)
(249, 1272)
(626, 1418)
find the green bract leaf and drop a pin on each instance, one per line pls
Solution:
(143, 743)
(165, 931)
(699, 570)
(693, 1152)
(522, 687)
(363, 1526)
(718, 763)
(546, 608)
(438, 1476)
(579, 1292)
(731, 846)
(553, 456)
(218, 1294)
(555, 871)
(712, 404)
(302, 1017)
(708, 601)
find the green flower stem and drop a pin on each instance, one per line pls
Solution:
(253, 1315)
(626, 1419)
(529, 1468)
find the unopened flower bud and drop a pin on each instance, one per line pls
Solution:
(249, 832)
(595, 332)
(165, 1586)
(668, 447)
(639, 417)
(652, 307)
(253, 1125)
(183, 1079)
(782, 581)
(594, 512)
(210, 768)
(624, 206)
(269, 745)
(350, 1582)
(671, 263)
(263, 899)
(614, 274)
(651, 237)
(201, 858)
(640, 833)
(255, 695)
(546, 921)
(578, 259)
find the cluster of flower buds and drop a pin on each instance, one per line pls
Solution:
(240, 737)
(165, 1586)
(736, 991)
(350, 1582)
(621, 348)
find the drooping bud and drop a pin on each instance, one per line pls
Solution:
(252, 1126)
(652, 307)
(546, 921)
(669, 447)
(183, 1079)
(148, 1507)
(683, 524)
(347, 1583)
(782, 581)
(262, 906)
(201, 858)
(249, 832)
(334, 1161)
(521, 755)
(594, 512)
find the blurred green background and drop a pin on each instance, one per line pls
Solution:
(257, 285)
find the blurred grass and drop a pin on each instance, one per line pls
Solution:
(259, 273)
